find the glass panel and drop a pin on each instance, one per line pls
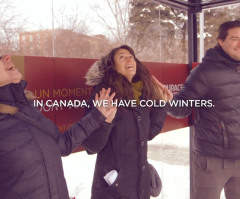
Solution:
(89, 29)
(158, 32)
(78, 171)
(211, 25)
(62, 28)
(169, 153)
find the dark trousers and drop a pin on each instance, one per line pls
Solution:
(211, 175)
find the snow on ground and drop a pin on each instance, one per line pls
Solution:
(78, 170)
(168, 152)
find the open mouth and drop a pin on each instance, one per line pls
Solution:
(129, 66)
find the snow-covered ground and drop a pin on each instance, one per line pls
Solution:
(168, 152)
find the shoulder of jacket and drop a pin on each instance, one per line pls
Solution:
(8, 109)
(206, 66)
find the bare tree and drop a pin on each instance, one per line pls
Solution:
(71, 38)
(116, 22)
(10, 26)
(74, 21)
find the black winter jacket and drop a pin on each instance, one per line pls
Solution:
(217, 127)
(30, 161)
(125, 151)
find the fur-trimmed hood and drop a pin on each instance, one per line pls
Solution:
(7, 109)
(95, 74)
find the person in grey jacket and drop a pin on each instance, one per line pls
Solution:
(216, 147)
(122, 170)
(30, 158)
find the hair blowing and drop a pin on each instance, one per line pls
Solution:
(121, 85)
(225, 27)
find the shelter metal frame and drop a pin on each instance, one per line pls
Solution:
(193, 7)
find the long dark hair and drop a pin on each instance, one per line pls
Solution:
(125, 91)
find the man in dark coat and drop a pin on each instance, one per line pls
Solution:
(216, 147)
(30, 159)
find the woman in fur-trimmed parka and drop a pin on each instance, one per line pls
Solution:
(122, 170)
(30, 159)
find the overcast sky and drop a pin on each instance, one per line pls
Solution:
(39, 12)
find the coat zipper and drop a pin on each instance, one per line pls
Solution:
(225, 137)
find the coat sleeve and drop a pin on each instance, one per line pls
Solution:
(78, 132)
(157, 117)
(195, 88)
(98, 139)
(90, 126)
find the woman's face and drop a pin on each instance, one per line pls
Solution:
(125, 63)
(8, 72)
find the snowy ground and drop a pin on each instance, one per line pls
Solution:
(168, 152)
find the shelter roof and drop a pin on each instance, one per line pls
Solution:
(197, 5)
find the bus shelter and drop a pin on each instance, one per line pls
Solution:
(62, 78)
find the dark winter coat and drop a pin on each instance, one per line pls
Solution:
(125, 151)
(30, 161)
(217, 127)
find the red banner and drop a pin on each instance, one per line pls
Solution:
(63, 79)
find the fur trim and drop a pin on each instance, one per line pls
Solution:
(94, 74)
(29, 95)
(7, 109)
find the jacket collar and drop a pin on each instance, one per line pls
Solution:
(13, 94)
(216, 55)
(225, 55)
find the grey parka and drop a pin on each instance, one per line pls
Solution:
(30, 160)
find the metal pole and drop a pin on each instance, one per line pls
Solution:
(192, 36)
(160, 35)
(53, 33)
(192, 57)
(201, 28)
